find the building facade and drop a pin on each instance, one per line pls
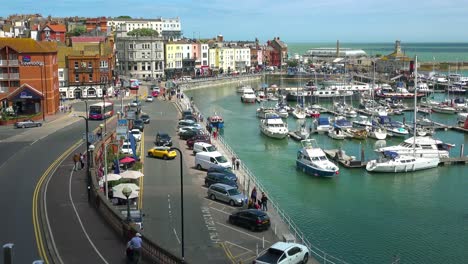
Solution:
(86, 68)
(167, 28)
(394, 62)
(28, 77)
(278, 52)
(139, 57)
(96, 24)
(54, 33)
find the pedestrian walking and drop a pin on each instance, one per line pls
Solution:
(253, 195)
(264, 200)
(76, 161)
(82, 160)
(238, 162)
(233, 160)
(134, 246)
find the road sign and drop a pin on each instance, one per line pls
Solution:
(122, 128)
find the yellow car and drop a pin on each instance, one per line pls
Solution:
(162, 152)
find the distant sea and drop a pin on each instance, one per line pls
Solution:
(426, 52)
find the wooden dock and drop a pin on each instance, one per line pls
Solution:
(455, 160)
(345, 160)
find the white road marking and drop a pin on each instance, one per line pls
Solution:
(221, 211)
(242, 232)
(234, 244)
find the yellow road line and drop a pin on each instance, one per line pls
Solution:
(141, 179)
(228, 253)
(35, 212)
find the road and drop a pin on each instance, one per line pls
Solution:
(208, 236)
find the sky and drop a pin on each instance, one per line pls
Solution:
(292, 20)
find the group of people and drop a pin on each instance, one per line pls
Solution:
(236, 162)
(78, 161)
(65, 108)
(258, 204)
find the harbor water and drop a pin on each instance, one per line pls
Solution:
(420, 217)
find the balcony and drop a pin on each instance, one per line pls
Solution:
(9, 63)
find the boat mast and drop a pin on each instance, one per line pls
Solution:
(415, 104)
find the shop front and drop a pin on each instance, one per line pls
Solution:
(24, 102)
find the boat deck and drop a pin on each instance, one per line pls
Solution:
(345, 160)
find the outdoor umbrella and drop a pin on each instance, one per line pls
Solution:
(131, 174)
(127, 160)
(117, 190)
(112, 177)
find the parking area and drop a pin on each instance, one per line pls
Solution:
(240, 244)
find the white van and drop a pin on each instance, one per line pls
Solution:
(206, 160)
(202, 147)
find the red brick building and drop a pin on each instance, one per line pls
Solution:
(54, 33)
(278, 53)
(99, 24)
(28, 77)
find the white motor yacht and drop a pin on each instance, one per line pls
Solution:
(376, 132)
(299, 112)
(273, 126)
(312, 160)
(362, 121)
(426, 147)
(248, 96)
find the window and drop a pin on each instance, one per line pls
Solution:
(90, 65)
(76, 65)
(104, 64)
(60, 74)
(135, 67)
(77, 78)
(90, 76)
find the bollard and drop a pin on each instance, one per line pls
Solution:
(8, 253)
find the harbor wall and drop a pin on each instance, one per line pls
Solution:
(210, 82)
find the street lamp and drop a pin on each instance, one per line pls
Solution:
(127, 191)
(181, 202)
(89, 149)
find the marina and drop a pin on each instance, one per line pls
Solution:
(287, 185)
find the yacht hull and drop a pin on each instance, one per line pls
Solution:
(308, 169)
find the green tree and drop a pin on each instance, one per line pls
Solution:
(292, 63)
(77, 31)
(143, 32)
(125, 17)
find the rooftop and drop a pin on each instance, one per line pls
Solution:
(27, 45)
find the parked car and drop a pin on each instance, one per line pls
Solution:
(214, 177)
(136, 134)
(149, 98)
(135, 103)
(145, 118)
(206, 160)
(163, 139)
(186, 128)
(282, 253)
(252, 219)
(184, 122)
(198, 138)
(27, 123)
(226, 193)
(189, 133)
(139, 124)
(186, 113)
(222, 170)
(162, 152)
(126, 148)
(203, 147)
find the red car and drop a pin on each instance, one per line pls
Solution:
(198, 138)
(155, 93)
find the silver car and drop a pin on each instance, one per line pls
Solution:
(27, 123)
(226, 193)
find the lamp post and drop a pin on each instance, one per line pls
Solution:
(127, 192)
(181, 202)
(89, 149)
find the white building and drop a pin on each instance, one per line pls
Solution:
(139, 57)
(167, 28)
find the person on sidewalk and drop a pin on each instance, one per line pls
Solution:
(76, 161)
(135, 249)
(233, 160)
(238, 163)
(253, 195)
(81, 161)
(264, 200)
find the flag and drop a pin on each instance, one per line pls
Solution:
(116, 166)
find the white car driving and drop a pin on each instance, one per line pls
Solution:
(149, 98)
